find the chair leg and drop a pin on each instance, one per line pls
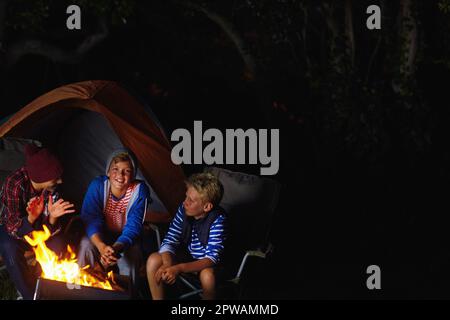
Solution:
(194, 289)
(190, 285)
(190, 294)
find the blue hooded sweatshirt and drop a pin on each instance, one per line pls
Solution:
(95, 201)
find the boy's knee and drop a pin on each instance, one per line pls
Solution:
(11, 248)
(87, 253)
(207, 277)
(154, 261)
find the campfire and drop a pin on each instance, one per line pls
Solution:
(64, 269)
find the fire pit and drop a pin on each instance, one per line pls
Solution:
(62, 278)
(56, 290)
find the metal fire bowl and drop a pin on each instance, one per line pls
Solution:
(55, 290)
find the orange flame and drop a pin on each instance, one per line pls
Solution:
(65, 270)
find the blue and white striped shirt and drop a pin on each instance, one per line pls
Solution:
(212, 250)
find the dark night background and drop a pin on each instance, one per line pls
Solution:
(364, 149)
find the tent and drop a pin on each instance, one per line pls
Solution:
(84, 122)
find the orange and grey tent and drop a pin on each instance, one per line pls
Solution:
(84, 122)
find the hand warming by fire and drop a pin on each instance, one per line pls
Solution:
(64, 270)
(35, 207)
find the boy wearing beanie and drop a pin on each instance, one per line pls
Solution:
(27, 203)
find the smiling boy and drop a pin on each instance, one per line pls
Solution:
(113, 212)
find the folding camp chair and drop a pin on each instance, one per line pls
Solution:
(250, 202)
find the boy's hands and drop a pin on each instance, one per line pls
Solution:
(168, 274)
(35, 207)
(108, 256)
(160, 272)
(58, 209)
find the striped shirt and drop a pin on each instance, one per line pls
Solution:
(115, 210)
(214, 248)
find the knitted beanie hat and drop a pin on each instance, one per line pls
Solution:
(41, 164)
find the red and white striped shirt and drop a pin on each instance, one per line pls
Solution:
(115, 210)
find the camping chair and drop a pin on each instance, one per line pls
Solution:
(250, 202)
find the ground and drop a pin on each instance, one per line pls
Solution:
(7, 289)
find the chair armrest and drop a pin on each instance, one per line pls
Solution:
(152, 218)
(256, 253)
(155, 228)
(252, 253)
